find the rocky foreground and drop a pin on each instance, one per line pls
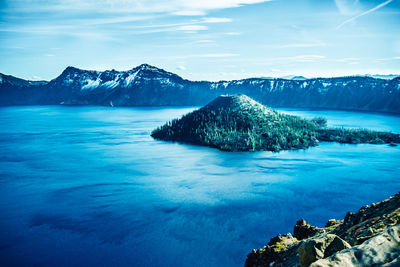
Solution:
(370, 237)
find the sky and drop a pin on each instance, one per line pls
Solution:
(201, 39)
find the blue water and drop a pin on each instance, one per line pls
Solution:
(88, 186)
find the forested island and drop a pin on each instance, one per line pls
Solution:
(239, 123)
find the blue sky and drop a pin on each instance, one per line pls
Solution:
(201, 39)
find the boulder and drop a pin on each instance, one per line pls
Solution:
(320, 247)
(303, 230)
(281, 249)
(381, 250)
(333, 223)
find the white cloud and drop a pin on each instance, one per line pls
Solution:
(388, 59)
(35, 78)
(363, 13)
(177, 7)
(216, 20)
(233, 33)
(299, 45)
(181, 68)
(348, 7)
(189, 13)
(300, 58)
(218, 55)
(347, 59)
(75, 28)
(192, 28)
(307, 58)
(205, 41)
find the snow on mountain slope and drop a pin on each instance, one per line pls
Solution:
(149, 85)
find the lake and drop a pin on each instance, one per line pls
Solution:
(88, 186)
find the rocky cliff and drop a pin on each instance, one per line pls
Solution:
(146, 85)
(369, 237)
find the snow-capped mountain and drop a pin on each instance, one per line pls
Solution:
(146, 85)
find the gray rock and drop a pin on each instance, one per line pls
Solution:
(332, 222)
(381, 250)
(320, 247)
(303, 230)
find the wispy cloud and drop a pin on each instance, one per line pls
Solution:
(232, 33)
(189, 13)
(348, 7)
(192, 28)
(217, 55)
(205, 41)
(76, 27)
(216, 20)
(364, 13)
(291, 59)
(175, 7)
(347, 59)
(388, 59)
(211, 55)
(299, 45)
(307, 58)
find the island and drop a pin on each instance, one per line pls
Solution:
(239, 123)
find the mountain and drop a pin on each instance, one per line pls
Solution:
(288, 77)
(385, 77)
(238, 123)
(300, 78)
(16, 91)
(293, 77)
(146, 85)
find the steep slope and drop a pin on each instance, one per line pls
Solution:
(146, 85)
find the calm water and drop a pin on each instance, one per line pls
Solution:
(88, 186)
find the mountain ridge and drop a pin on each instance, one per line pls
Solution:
(146, 85)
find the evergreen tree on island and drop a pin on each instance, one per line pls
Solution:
(239, 123)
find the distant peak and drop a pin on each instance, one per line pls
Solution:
(299, 78)
(71, 69)
(147, 67)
